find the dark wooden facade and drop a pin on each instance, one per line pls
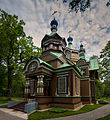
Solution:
(60, 77)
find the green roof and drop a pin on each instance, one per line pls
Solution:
(41, 61)
(64, 65)
(56, 54)
(94, 64)
(83, 57)
(52, 33)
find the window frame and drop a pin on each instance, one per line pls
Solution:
(66, 85)
(76, 85)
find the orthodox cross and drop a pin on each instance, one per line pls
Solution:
(69, 32)
(81, 41)
(54, 13)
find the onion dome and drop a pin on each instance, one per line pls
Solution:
(81, 46)
(70, 39)
(54, 22)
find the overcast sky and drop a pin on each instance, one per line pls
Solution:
(92, 26)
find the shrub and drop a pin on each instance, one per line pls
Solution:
(57, 110)
(102, 102)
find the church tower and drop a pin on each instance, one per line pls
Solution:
(53, 42)
(71, 53)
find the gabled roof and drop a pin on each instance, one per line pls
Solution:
(94, 64)
(41, 61)
(82, 57)
(56, 54)
(64, 65)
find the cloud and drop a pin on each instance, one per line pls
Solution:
(92, 26)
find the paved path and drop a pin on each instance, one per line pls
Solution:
(92, 115)
(10, 114)
(6, 116)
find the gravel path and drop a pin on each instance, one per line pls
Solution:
(92, 115)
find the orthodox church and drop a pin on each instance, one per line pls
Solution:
(61, 77)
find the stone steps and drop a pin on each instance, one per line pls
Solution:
(19, 107)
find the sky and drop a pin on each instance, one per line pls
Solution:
(92, 27)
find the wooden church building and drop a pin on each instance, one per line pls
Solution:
(61, 77)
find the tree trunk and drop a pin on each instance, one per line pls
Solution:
(9, 80)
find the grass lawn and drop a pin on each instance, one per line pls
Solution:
(5, 99)
(105, 118)
(4, 106)
(54, 112)
(104, 98)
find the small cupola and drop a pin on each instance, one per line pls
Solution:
(54, 25)
(70, 40)
(81, 51)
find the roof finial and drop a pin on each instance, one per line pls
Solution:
(69, 33)
(81, 46)
(54, 14)
(81, 41)
(70, 39)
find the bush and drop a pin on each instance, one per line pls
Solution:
(102, 102)
(57, 110)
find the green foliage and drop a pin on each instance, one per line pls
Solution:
(105, 63)
(105, 99)
(4, 106)
(108, 3)
(100, 86)
(47, 114)
(81, 5)
(5, 99)
(57, 110)
(104, 70)
(102, 102)
(15, 49)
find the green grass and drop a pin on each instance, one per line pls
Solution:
(104, 98)
(5, 99)
(4, 106)
(105, 118)
(38, 115)
(57, 110)
(102, 102)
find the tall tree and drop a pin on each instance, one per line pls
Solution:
(105, 66)
(15, 47)
(81, 5)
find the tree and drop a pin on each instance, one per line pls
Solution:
(105, 67)
(15, 47)
(81, 5)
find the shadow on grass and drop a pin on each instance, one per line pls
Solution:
(5, 99)
(51, 114)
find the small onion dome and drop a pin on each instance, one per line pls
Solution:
(70, 39)
(54, 22)
(81, 46)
